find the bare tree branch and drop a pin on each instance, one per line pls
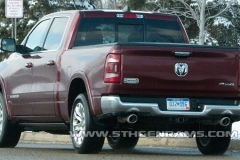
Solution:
(199, 10)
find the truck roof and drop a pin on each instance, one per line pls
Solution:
(112, 13)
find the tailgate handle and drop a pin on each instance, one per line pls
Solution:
(182, 54)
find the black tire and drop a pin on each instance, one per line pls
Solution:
(9, 133)
(214, 145)
(82, 121)
(122, 142)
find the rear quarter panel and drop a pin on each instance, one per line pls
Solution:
(86, 63)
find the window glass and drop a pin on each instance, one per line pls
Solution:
(109, 30)
(55, 33)
(94, 31)
(163, 31)
(130, 33)
(36, 38)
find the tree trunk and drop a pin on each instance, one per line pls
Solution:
(98, 4)
(202, 22)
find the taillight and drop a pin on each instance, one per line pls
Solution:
(112, 71)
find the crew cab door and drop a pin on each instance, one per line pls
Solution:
(19, 81)
(19, 84)
(45, 69)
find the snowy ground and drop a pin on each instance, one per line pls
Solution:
(236, 129)
(235, 133)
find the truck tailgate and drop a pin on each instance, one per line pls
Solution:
(167, 69)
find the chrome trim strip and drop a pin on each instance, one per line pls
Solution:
(113, 104)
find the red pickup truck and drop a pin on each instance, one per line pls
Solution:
(119, 72)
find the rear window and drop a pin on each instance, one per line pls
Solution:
(163, 31)
(94, 31)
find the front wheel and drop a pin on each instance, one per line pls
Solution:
(83, 128)
(214, 144)
(9, 133)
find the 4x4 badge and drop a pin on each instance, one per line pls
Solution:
(181, 69)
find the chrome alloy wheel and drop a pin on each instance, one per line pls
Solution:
(1, 118)
(79, 123)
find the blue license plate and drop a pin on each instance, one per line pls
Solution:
(178, 104)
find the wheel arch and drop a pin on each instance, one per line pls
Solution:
(79, 84)
(3, 91)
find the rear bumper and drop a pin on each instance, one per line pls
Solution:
(111, 105)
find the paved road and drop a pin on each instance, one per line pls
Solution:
(49, 151)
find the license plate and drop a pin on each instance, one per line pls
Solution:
(178, 104)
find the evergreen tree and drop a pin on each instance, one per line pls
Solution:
(226, 29)
(36, 9)
(222, 21)
(136, 4)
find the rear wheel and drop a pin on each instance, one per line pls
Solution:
(121, 142)
(9, 133)
(81, 123)
(214, 144)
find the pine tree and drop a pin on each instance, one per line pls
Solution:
(136, 4)
(226, 28)
(189, 13)
(218, 33)
(36, 9)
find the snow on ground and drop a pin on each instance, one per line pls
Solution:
(236, 129)
(235, 133)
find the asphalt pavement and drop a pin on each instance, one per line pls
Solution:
(43, 137)
(57, 151)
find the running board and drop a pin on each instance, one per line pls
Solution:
(44, 126)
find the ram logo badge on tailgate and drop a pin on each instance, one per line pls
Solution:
(131, 80)
(181, 69)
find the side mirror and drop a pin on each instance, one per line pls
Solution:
(8, 44)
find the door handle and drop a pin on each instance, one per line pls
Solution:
(51, 63)
(182, 54)
(29, 65)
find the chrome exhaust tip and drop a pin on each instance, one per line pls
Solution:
(132, 118)
(225, 121)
